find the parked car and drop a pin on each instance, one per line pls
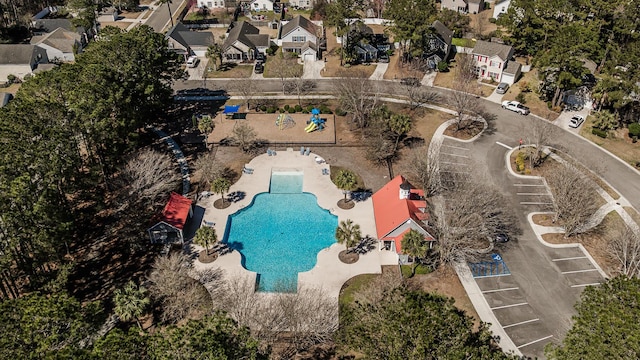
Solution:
(410, 81)
(515, 106)
(576, 121)
(193, 61)
(260, 57)
(259, 68)
(502, 88)
(502, 238)
(383, 57)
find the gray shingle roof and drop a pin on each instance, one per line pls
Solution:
(512, 68)
(492, 49)
(259, 40)
(60, 39)
(195, 38)
(239, 32)
(16, 54)
(49, 25)
(299, 21)
(443, 31)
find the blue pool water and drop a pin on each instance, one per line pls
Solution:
(281, 233)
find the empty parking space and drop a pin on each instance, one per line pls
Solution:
(496, 283)
(504, 298)
(584, 279)
(533, 195)
(454, 157)
(575, 264)
(576, 268)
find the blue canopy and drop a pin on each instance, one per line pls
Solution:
(315, 111)
(231, 109)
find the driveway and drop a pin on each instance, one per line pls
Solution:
(378, 73)
(563, 120)
(312, 69)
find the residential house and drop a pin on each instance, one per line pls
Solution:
(398, 208)
(20, 60)
(500, 7)
(61, 45)
(301, 4)
(170, 224)
(262, 5)
(244, 42)
(211, 4)
(366, 52)
(300, 36)
(463, 6)
(41, 27)
(439, 45)
(186, 42)
(492, 59)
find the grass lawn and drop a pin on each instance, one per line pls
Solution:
(397, 71)
(408, 269)
(445, 79)
(292, 63)
(353, 285)
(617, 141)
(230, 70)
(533, 101)
(336, 169)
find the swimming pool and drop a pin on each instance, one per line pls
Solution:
(281, 232)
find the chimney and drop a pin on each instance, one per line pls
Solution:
(405, 189)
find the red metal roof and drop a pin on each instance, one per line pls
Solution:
(393, 213)
(176, 211)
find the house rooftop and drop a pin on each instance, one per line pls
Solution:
(512, 68)
(176, 211)
(16, 54)
(299, 21)
(239, 32)
(61, 39)
(49, 25)
(443, 31)
(188, 38)
(492, 49)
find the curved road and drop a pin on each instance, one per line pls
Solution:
(541, 291)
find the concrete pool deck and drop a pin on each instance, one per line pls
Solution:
(329, 273)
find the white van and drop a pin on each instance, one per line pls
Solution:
(192, 61)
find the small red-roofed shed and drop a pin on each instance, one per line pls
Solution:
(398, 208)
(171, 222)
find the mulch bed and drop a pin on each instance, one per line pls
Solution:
(468, 131)
(348, 257)
(346, 204)
(205, 258)
(221, 204)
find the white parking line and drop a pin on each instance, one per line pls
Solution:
(535, 341)
(503, 145)
(508, 306)
(535, 203)
(498, 290)
(456, 147)
(528, 184)
(529, 194)
(584, 285)
(520, 323)
(578, 271)
(569, 258)
(462, 156)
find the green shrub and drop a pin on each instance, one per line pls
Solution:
(634, 130)
(298, 108)
(271, 110)
(281, 111)
(263, 107)
(12, 79)
(443, 66)
(598, 132)
(272, 50)
(520, 162)
(324, 109)
(521, 98)
(492, 20)
(340, 112)
(286, 107)
(309, 108)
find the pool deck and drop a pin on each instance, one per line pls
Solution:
(329, 273)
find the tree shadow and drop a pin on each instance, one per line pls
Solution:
(360, 195)
(413, 142)
(490, 118)
(367, 244)
(227, 66)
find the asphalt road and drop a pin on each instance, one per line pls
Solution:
(159, 18)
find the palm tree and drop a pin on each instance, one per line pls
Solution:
(414, 245)
(346, 181)
(205, 237)
(348, 234)
(214, 52)
(220, 186)
(168, 2)
(400, 125)
(130, 302)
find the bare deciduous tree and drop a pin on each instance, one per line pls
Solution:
(357, 95)
(148, 177)
(244, 134)
(207, 168)
(540, 134)
(624, 248)
(574, 198)
(283, 67)
(467, 219)
(179, 289)
(463, 101)
(300, 87)
(419, 96)
(425, 167)
(247, 88)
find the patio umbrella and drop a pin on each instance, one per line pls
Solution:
(315, 111)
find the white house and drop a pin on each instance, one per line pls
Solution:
(500, 7)
(262, 5)
(211, 4)
(301, 4)
(300, 36)
(491, 59)
(463, 6)
(61, 44)
(20, 60)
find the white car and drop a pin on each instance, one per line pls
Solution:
(515, 106)
(576, 121)
(192, 61)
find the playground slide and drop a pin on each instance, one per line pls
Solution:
(312, 126)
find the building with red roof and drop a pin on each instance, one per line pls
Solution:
(398, 208)
(174, 216)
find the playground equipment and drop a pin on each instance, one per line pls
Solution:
(284, 121)
(315, 123)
